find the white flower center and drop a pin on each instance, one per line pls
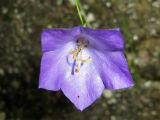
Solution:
(78, 57)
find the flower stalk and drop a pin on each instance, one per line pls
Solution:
(81, 16)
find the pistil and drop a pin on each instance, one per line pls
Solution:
(77, 54)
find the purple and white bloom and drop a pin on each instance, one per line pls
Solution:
(82, 62)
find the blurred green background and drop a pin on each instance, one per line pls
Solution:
(21, 23)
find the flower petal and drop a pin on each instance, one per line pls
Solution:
(104, 39)
(83, 88)
(53, 68)
(113, 69)
(53, 39)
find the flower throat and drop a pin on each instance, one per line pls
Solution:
(77, 54)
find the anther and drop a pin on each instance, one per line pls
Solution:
(81, 44)
(78, 68)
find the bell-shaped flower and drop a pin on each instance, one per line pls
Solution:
(82, 62)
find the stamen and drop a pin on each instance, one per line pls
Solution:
(81, 44)
(78, 68)
(84, 60)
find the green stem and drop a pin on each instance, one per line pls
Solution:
(81, 17)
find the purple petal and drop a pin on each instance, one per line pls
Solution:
(83, 88)
(53, 68)
(113, 69)
(53, 39)
(104, 39)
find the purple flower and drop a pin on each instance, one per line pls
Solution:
(82, 62)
